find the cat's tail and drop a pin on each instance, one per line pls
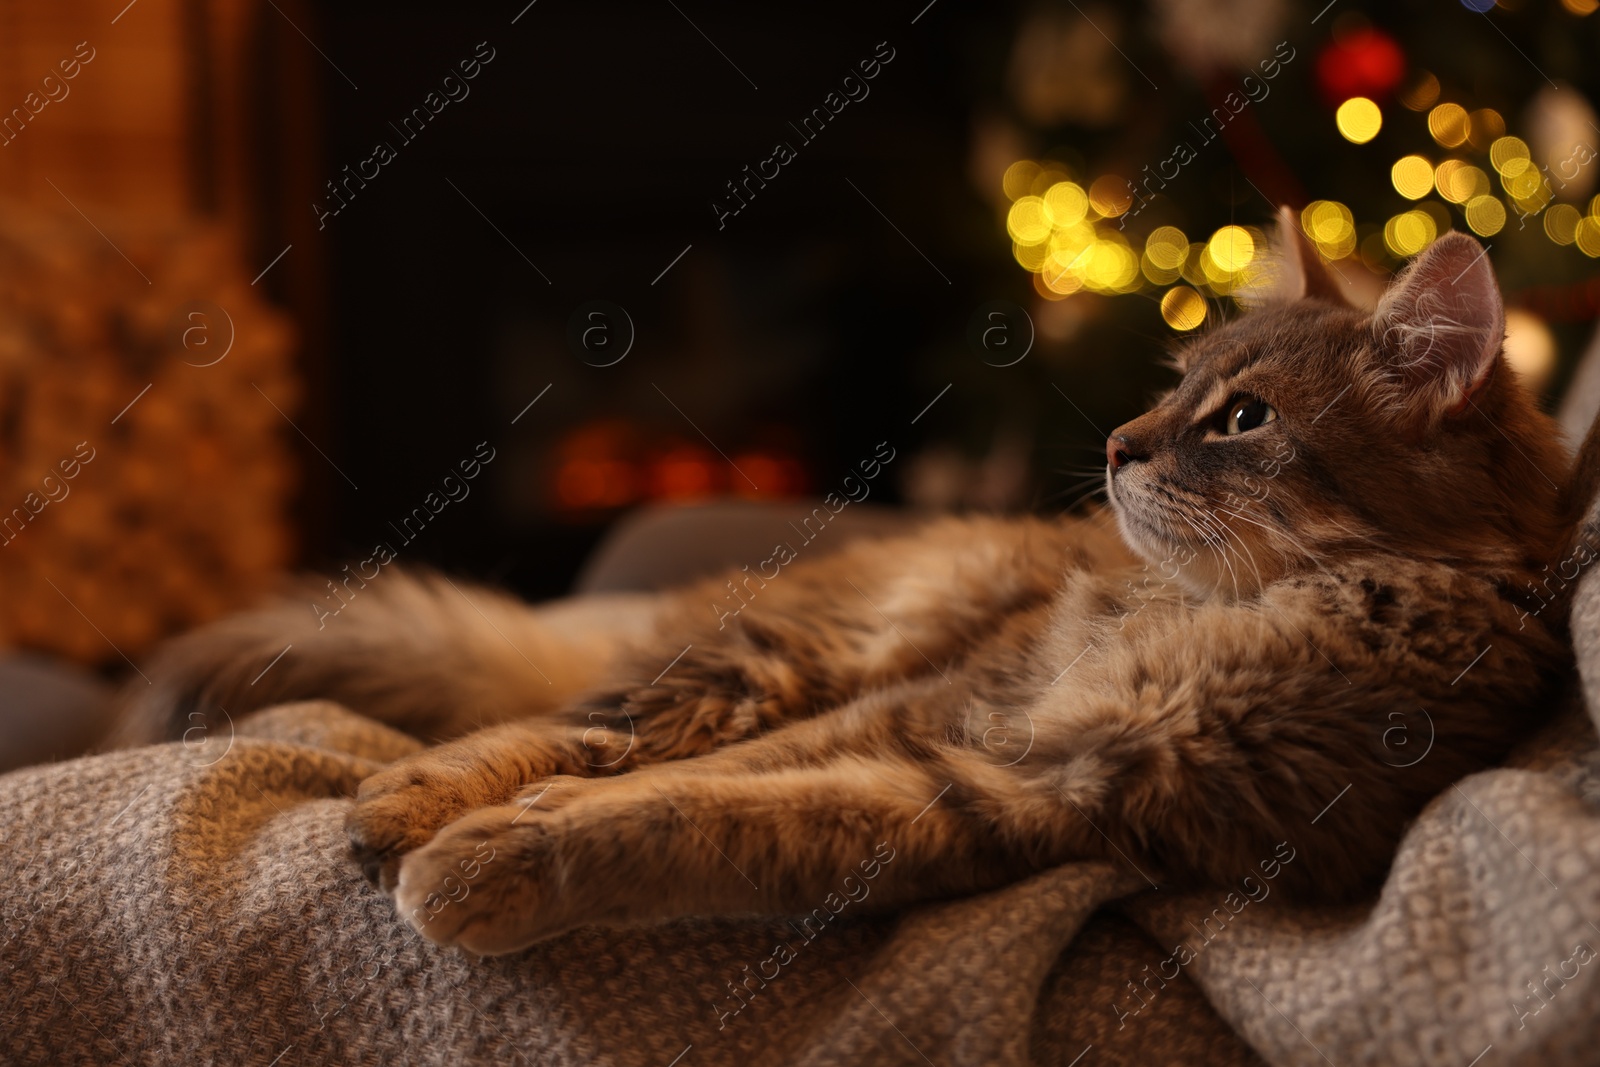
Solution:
(422, 653)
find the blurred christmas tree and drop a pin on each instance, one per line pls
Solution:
(1136, 155)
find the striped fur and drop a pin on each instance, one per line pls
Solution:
(1301, 634)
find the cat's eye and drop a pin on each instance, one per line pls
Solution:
(1247, 413)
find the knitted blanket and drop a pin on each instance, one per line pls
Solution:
(193, 903)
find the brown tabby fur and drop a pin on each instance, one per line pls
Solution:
(989, 697)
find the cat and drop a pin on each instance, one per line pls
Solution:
(1309, 606)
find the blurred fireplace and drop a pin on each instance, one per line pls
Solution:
(773, 348)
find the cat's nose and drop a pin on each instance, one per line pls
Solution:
(1121, 451)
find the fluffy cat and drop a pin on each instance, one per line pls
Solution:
(1329, 533)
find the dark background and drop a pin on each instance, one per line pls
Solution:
(596, 141)
(808, 329)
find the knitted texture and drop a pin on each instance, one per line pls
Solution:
(193, 903)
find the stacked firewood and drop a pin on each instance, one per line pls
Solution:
(145, 474)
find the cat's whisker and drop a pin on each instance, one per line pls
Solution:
(1208, 540)
(1284, 535)
(1216, 522)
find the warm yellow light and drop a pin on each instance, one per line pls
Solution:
(1027, 222)
(1066, 203)
(1110, 195)
(1358, 119)
(1459, 182)
(1158, 274)
(1056, 286)
(1109, 265)
(1523, 180)
(1530, 347)
(1213, 275)
(1486, 215)
(1051, 173)
(1409, 233)
(1449, 124)
(1232, 248)
(1167, 246)
(1018, 178)
(1561, 223)
(1327, 219)
(1484, 125)
(1505, 149)
(1032, 257)
(1128, 277)
(1061, 282)
(1331, 226)
(1581, 7)
(1182, 308)
(1412, 177)
(1068, 243)
(1587, 236)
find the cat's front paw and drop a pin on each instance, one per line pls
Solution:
(399, 809)
(484, 883)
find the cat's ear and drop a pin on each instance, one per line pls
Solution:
(1441, 324)
(1304, 275)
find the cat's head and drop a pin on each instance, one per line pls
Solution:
(1309, 429)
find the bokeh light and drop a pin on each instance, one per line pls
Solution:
(1066, 203)
(1525, 184)
(1505, 149)
(1182, 308)
(1483, 126)
(1232, 248)
(1019, 178)
(1423, 92)
(1358, 119)
(1459, 182)
(1167, 246)
(1486, 215)
(1409, 233)
(1110, 195)
(1561, 223)
(1530, 347)
(1586, 235)
(1031, 257)
(1449, 125)
(1027, 222)
(1330, 226)
(1412, 177)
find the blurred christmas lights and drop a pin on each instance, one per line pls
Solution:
(1059, 221)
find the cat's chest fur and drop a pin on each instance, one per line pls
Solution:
(1376, 625)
